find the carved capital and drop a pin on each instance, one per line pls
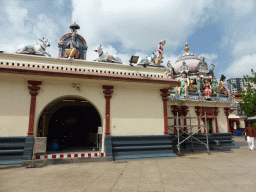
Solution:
(164, 94)
(34, 87)
(227, 111)
(184, 110)
(107, 91)
(216, 111)
(198, 110)
(174, 110)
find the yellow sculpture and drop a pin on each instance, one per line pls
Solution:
(72, 46)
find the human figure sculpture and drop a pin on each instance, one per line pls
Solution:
(184, 85)
(207, 90)
(198, 82)
(214, 85)
(160, 49)
(222, 86)
(72, 50)
(169, 71)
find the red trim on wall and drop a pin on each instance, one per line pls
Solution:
(227, 112)
(33, 91)
(108, 94)
(86, 75)
(165, 95)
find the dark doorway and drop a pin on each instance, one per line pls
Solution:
(72, 124)
(209, 125)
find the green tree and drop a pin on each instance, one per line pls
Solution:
(248, 103)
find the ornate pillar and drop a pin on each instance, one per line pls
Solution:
(184, 113)
(179, 114)
(60, 53)
(165, 99)
(204, 125)
(108, 94)
(33, 91)
(216, 112)
(174, 112)
(198, 112)
(227, 112)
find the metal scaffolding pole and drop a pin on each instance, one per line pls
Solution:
(189, 132)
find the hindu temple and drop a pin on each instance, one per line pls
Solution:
(106, 109)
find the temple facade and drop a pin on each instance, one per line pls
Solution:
(74, 102)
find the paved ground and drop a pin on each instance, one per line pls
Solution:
(232, 171)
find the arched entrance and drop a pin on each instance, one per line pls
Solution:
(72, 122)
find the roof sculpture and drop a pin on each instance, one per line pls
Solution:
(72, 45)
(199, 82)
(35, 49)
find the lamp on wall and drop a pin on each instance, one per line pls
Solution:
(76, 86)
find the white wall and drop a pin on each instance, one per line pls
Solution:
(14, 107)
(137, 111)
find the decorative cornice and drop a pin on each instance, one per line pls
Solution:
(86, 75)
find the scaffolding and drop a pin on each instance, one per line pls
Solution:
(189, 132)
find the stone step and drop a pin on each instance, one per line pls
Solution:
(141, 142)
(144, 156)
(152, 147)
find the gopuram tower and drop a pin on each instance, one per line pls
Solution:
(72, 45)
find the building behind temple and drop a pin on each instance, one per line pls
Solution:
(235, 85)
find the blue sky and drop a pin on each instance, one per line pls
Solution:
(224, 32)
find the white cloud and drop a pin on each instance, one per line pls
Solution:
(241, 7)
(209, 58)
(20, 29)
(242, 66)
(244, 47)
(138, 24)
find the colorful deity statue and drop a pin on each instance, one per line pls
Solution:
(184, 85)
(222, 86)
(72, 45)
(160, 49)
(214, 85)
(198, 82)
(72, 50)
(184, 68)
(207, 90)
